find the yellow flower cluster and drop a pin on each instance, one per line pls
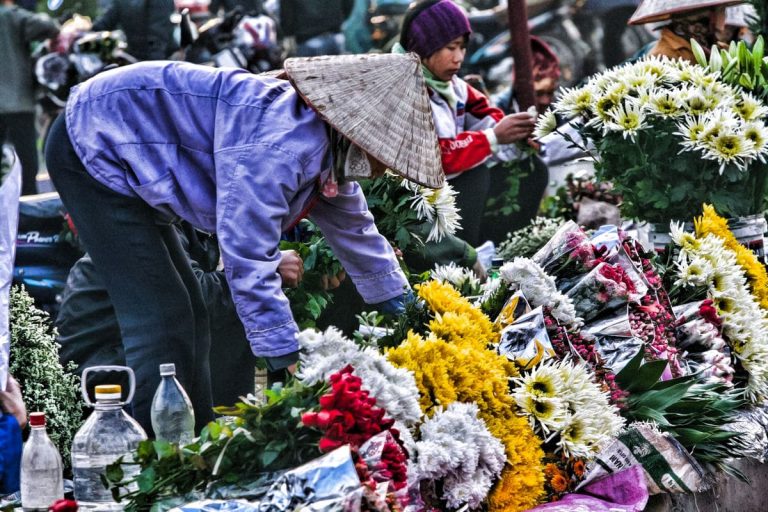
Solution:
(711, 223)
(455, 317)
(453, 364)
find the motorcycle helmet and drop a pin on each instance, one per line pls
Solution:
(660, 10)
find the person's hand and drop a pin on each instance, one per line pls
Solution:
(333, 282)
(515, 127)
(291, 268)
(12, 402)
(292, 369)
(289, 46)
(479, 270)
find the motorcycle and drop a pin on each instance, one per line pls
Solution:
(74, 56)
(46, 249)
(247, 41)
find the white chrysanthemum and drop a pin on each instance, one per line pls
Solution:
(745, 323)
(665, 103)
(655, 66)
(545, 125)
(539, 289)
(757, 133)
(323, 354)
(579, 415)
(729, 147)
(455, 275)
(698, 103)
(437, 206)
(693, 273)
(690, 129)
(750, 108)
(627, 118)
(457, 448)
(576, 102)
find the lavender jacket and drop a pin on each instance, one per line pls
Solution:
(235, 154)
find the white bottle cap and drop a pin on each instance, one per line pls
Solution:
(167, 369)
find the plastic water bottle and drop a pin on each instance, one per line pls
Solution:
(108, 434)
(41, 469)
(172, 415)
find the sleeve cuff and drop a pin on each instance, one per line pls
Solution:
(492, 140)
(281, 362)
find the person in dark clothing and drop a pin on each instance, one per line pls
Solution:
(314, 26)
(246, 6)
(147, 26)
(89, 333)
(18, 28)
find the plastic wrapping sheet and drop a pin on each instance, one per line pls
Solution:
(599, 291)
(666, 464)
(623, 491)
(515, 307)
(526, 340)
(10, 187)
(329, 482)
(752, 425)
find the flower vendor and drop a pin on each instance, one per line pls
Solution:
(253, 155)
(12, 410)
(701, 20)
(470, 130)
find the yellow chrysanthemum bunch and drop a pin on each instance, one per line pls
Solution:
(455, 316)
(711, 223)
(460, 370)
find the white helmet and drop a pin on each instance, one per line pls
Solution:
(740, 15)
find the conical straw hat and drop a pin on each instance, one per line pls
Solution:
(659, 10)
(380, 103)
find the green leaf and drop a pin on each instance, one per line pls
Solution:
(758, 50)
(626, 376)
(114, 472)
(745, 81)
(648, 375)
(698, 52)
(646, 413)
(146, 479)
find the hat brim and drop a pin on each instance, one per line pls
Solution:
(663, 10)
(380, 103)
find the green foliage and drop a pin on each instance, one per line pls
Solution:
(758, 26)
(526, 241)
(46, 385)
(658, 183)
(506, 203)
(390, 204)
(692, 412)
(310, 298)
(739, 65)
(251, 441)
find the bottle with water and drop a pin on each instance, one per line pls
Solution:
(173, 418)
(42, 480)
(108, 434)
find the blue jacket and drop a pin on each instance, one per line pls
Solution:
(236, 154)
(10, 454)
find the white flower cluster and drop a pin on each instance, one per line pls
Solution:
(707, 262)
(715, 119)
(323, 354)
(457, 276)
(437, 206)
(563, 401)
(457, 448)
(539, 289)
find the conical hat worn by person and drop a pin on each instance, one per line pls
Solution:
(380, 103)
(659, 10)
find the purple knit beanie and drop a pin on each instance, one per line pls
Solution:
(435, 27)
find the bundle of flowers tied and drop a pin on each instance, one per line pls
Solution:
(669, 135)
(478, 410)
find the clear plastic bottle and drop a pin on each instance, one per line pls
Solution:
(107, 434)
(172, 415)
(41, 469)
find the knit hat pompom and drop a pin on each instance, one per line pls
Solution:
(435, 27)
